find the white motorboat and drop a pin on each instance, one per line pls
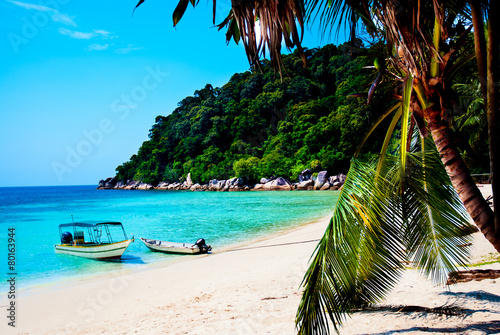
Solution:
(93, 240)
(177, 248)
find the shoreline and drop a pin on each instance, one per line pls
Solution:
(64, 282)
(306, 181)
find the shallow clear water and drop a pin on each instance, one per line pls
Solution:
(221, 218)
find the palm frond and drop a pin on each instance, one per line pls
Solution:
(375, 125)
(436, 224)
(405, 116)
(329, 13)
(340, 14)
(180, 9)
(388, 136)
(398, 209)
(278, 20)
(358, 259)
(453, 70)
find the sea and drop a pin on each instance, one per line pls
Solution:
(31, 216)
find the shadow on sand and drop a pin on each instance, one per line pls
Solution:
(492, 327)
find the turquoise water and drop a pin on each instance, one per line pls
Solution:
(221, 218)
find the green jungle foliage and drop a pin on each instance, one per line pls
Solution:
(259, 126)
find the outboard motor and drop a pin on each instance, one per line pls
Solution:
(66, 238)
(202, 245)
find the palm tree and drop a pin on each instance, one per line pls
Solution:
(420, 36)
(400, 208)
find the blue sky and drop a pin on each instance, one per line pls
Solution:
(82, 82)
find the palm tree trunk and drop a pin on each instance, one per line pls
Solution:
(467, 190)
(479, 44)
(493, 105)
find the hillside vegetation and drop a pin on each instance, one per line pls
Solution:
(258, 126)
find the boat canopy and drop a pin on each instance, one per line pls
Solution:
(98, 232)
(88, 224)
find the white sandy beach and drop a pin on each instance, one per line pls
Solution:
(247, 291)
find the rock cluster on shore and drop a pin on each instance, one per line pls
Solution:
(305, 182)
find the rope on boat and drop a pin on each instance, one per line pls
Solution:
(274, 245)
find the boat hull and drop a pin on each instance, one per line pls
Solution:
(172, 247)
(101, 251)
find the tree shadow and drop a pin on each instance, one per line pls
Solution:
(488, 327)
(492, 327)
(477, 295)
(448, 310)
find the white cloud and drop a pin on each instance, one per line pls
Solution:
(32, 6)
(64, 19)
(98, 47)
(101, 32)
(128, 49)
(76, 34)
(56, 16)
(104, 34)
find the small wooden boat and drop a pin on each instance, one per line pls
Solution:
(93, 240)
(177, 248)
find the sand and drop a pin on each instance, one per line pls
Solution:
(249, 289)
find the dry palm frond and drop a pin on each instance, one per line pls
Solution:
(278, 20)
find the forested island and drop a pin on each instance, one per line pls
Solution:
(258, 126)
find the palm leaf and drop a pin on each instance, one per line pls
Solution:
(358, 259)
(453, 70)
(437, 225)
(388, 135)
(378, 222)
(375, 125)
(339, 13)
(179, 11)
(279, 20)
(407, 91)
(138, 4)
